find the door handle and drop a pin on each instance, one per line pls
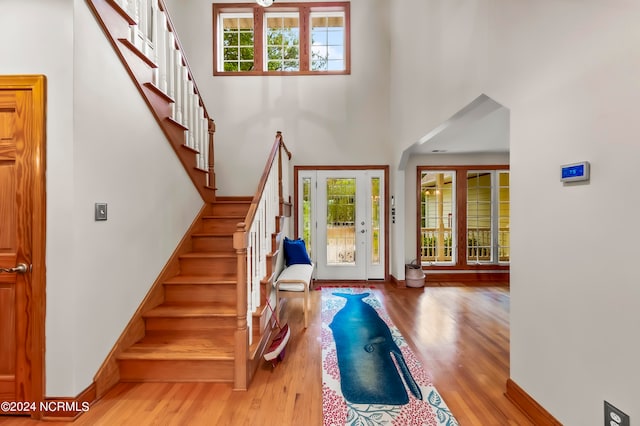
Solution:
(20, 268)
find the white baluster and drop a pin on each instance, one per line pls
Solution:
(160, 52)
(171, 71)
(129, 6)
(201, 147)
(199, 140)
(203, 139)
(144, 27)
(184, 93)
(161, 49)
(191, 114)
(205, 147)
(196, 125)
(154, 49)
(134, 29)
(178, 85)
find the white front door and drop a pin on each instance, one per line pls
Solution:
(343, 222)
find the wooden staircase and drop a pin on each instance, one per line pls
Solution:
(190, 336)
(193, 323)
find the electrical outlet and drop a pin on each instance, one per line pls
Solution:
(614, 417)
(101, 211)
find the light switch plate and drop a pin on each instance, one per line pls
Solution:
(101, 211)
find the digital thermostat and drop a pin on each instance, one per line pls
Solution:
(575, 172)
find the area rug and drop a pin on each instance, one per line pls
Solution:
(370, 375)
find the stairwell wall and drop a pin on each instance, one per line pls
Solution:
(103, 145)
(325, 120)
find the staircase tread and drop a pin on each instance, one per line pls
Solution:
(209, 254)
(188, 348)
(198, 279)
(212, 234)
(233, 199)
(192, 309)
(225, 216)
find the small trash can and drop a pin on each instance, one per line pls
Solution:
(414, 275)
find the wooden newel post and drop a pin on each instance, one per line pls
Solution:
(212, 175)
(240, 381)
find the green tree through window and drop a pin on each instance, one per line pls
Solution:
(283, 42)
(291, 38)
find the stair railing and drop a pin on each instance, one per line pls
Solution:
(144, 30)
(252, 242)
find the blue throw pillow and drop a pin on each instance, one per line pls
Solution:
(295, 252)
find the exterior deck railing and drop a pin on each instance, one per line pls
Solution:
(437, 244)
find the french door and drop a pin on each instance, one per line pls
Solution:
(341, 219)
(464, 216)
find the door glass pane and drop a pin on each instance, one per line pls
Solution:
(375, 221)
(503, 217)
(306, 214)
(437, 216)
(479, 229)
(341, 215)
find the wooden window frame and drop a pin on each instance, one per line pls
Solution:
(304, 9)
(461, 218)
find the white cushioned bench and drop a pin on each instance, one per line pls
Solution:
(295, 281)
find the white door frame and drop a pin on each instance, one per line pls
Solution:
(365, 268)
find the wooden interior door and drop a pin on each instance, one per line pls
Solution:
(21, 240)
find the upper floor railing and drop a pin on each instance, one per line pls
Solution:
(146, 40)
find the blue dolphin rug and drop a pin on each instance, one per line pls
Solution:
(370, 375)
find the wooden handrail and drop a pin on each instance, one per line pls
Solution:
(282, 144)
(281, 200)
(275, 149)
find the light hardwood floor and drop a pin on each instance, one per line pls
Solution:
(461, 334)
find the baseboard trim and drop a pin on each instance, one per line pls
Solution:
(529, 406)
(68, 409)
(398, 283)
(481, 278)
(459, 279)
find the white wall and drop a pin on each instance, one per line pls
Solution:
(567, 71)
(102, 146)
(337, 120)
(51, 55)
(575, 309)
